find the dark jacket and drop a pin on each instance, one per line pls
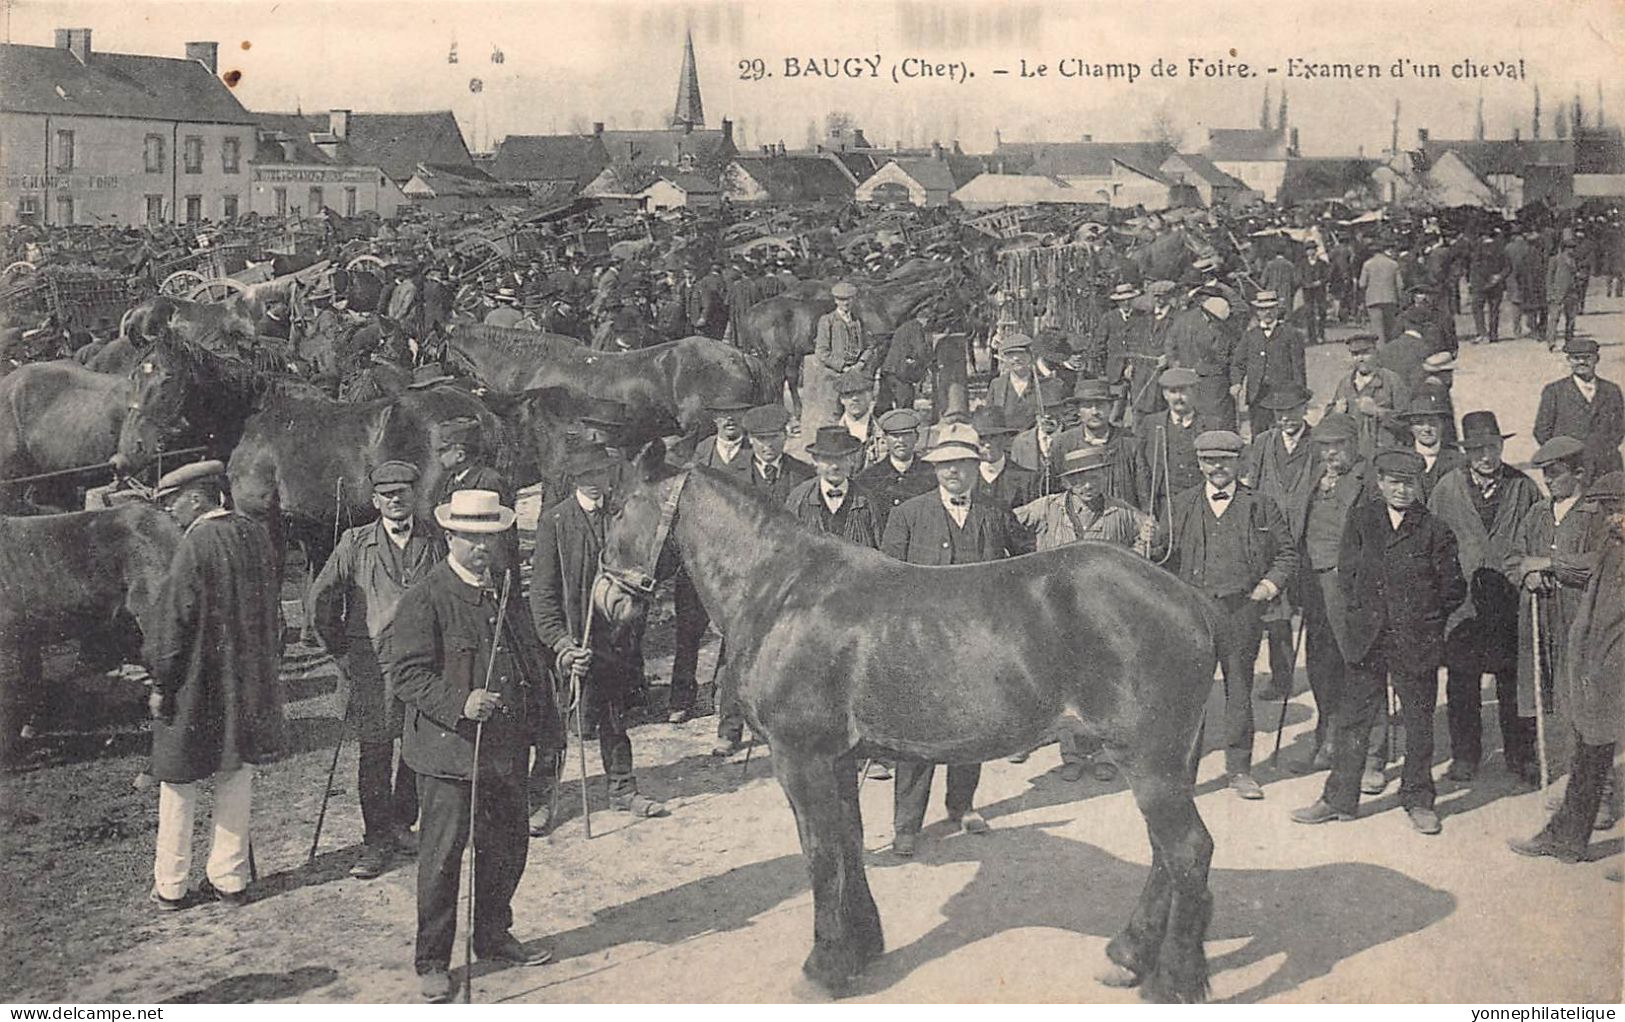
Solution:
(1270, 551)
(917, 532)
(352, 605)
(1113, 341)
(1269, 363)
(1483, 630)
(706, 454)
(889, 488)
(1014, 487)
(1406, 579)
(441, 647)
(909, 356)
(1598, 423)
(856, 521)
(213, 650)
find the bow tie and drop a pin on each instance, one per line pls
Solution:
(959, 501)
(400, 530)
(1220, 497)
(834, 494)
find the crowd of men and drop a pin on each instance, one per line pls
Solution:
(1386, 540)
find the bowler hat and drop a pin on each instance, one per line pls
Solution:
(1084, 459)
(1219, 443)
(1428, 401)
(1335, 427)
(177, 479)
(1580, 346)
(1556, 449)
(463, 431)
(834, 442)
(587, 458)
(1280, 399)
(954, 441)
(899, 420)
(393, 476)
(1397, 461)
(1481, 428)
(1178, 376)
(765, 420)
(729, 405)
(477, 511)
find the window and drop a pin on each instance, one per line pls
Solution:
(230, 153)
(155, 154)
(64, 150)
(280, 197)
(228, 208)
(349, 202)
(27, 209)
(194, 154)
(155, 209)
(316, 203)
(194, 208)
(64, 210)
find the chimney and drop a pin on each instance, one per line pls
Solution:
(727, 130)
(936, 150)
(75, 41)
(781, 149)
(338, 124)
(1292, 144)
(1517, 134)
(958, 151)
(1087, 138)
(1421, 137)
(597, 127)
(208, 54)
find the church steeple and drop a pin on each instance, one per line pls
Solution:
(689, 112)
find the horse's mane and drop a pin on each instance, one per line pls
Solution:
(517, 341)
(770, 519)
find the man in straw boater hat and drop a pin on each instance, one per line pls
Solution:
(1123, 332)
(1233, 544)
(212, 647)
(1399, 576)
(946, 526)
(462, 674)
(1483, 502)
(564, 567)
(1586, 407)
(1271, 359)
(353, 604)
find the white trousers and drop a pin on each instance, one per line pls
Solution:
(228, 848)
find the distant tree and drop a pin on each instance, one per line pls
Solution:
(1164, 127)
(1280, 116)
(1579, 117)
(1536, 124)
(579, 125)
(1561, 122)
(1264, 110)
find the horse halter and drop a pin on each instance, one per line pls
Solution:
(640, 578)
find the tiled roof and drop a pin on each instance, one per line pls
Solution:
(1081, 159)
(47, 80)
(1500, 156)
(576, 158)
(1246, 144)
(394, 143)
(641, 148)
(461, 181)
(798, 178)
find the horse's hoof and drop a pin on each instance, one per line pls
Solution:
(1118, 976)
(834, 979)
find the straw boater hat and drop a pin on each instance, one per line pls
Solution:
(955, 441)
(1124, 293)
(1084, 459)
(177, 479)
(477, 511)
(1266, 300)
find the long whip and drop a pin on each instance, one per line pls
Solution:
(344, 717)
(474, 795)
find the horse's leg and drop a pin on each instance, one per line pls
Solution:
(815, 795)
(1133, 953)
(1179, 839)
(859, 904)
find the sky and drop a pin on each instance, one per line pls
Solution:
(567, 65)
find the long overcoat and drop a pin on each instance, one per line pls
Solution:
(1483, 631)
(1406, 579)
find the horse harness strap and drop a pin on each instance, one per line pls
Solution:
(641, 577)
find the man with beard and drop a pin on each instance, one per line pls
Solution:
(1483, 503)
(1168, 440)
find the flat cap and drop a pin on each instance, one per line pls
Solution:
(1556, 449)
(197, 471)
(1219, 443)
(1091, 389)
(393, 475)
(1396, 461)
(765, 420)
(853, 381)
(899, 420)
(462, 431)
(1362, 343)
(1335, 427)
(1178, 376)
(843, 290)
(1159, 288)
(1015, 342)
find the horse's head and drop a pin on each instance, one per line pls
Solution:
(634, 558)
(157, 394)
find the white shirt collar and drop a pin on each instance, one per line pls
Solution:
(859, 428)
(957, 513)
(588, 505)
(991, 470)
(1561, 508)
(1219, 506)
(900, 467)
(1587, 388)
(1183, 422)
(728, 450)
(1019, 384)
(467, 576)
(400, 538)
(1394, 517)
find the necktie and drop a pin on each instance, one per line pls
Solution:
(770, 474)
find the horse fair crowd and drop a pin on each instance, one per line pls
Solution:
(1386, 540)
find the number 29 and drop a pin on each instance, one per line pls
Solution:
(752, 70)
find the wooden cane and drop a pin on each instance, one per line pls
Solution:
(327, 790)
(474, 795)
(1540, 696)
(1292, 667)
(581, 710)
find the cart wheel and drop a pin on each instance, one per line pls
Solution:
(180, 283)
(20, 268)
(217, 290)
(371, 262)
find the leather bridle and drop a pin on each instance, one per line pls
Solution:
(640, 579)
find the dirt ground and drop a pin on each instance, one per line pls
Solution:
(667, 910)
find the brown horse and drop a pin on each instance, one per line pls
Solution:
(678, 380)
(835, 651)
(54, 416)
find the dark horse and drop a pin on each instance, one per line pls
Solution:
(678, 380)
(833, 655)
(55, 416)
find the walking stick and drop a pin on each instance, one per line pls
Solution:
(575, 699)
(474, 796)
(1540, 696)
(1292, 666)
(327, 790)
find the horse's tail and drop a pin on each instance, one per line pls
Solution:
(766, 389)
